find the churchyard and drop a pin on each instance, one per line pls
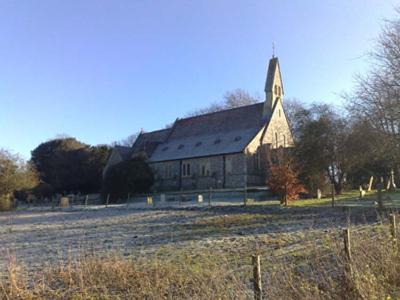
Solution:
(190, 236)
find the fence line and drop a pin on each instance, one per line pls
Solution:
(204, 191)
(391, 228)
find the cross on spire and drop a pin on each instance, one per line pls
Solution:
(273, 49)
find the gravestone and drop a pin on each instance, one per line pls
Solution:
(319, 194)
(391, 184)
(362, 192)
(200, 198)
(371, 180)
(64, 202)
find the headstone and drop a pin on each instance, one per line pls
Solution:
(391, 184)
(362, 192)
(162, 198)
(64, 202)
(319, 194)
(371, 180)
(200, 198)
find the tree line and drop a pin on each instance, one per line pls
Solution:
(360, 139)
(59, 166)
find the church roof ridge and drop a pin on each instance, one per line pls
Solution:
(154, 131)
(219, 111)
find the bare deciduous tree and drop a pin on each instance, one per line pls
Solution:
(376, 96)
(296, 114)
(15, 173)
(239, 97)
(128, 141)
(232, 99)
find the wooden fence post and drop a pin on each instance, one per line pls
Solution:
(333, 195)
(209, 197)
(86, 200)
(107, 200)
(393, 227)
(245, 196)
(257, 277)
(347, 250)
(380, 200)
(347, 242)
(286, 202)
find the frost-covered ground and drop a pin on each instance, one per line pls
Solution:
(37, 237)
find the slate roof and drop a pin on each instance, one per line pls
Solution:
(123, 151)
(223, 132)
(148, 141)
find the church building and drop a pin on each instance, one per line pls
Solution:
(221, 149)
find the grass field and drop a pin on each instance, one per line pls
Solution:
(352, 198)
(201, 253)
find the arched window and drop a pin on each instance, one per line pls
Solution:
(284, 140)
(186, 169)
(276, 139)
(276, 89)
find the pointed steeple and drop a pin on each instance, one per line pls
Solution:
(273, 86)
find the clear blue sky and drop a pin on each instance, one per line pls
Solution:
(100, 70)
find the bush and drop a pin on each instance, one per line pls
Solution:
(128, 177)
(15, 174)
(6, 203)
(283, 179)
(44, 190)
(70, 166)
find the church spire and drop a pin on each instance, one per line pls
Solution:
(273, 85)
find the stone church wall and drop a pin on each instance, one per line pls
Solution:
(278, 133)
(166, 180)
(235, 170)
(168, 174)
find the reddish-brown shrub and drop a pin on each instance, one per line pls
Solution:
(283, 179)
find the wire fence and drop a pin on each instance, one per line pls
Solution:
(335, 255)
(333, 250)
(201, 198)
(184, 199)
